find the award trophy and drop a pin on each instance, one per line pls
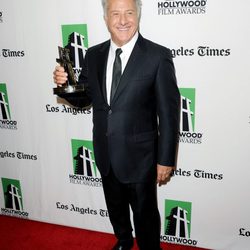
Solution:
(71, 86)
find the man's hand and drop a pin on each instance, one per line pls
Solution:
(60, 76)
(163, 174)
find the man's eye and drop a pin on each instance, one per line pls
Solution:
(130, 12)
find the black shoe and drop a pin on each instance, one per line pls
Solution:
(127, 245)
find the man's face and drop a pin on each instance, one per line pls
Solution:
(122, 20)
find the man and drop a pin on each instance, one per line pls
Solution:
(132, 86)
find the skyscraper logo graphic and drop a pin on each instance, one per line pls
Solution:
(188, 132)
(85, 163)
(187, 116)
(177, 223)
(4, 103)
(84, 166)
(84, 159)
(13, 199)
(178, 218)
(75, 38)
(12, 194)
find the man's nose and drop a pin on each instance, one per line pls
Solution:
(123, 19)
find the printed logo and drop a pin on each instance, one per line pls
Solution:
(202, 51)
(4, 103)
(66, 109)
(75, 38)
(5, 115)
(177, 227)
(187, 109)
(187, 117)
(12, 53)
(198, 174)
(13, 198)
(84, 166)
(81, 210)
(18, 155)
(184, 7)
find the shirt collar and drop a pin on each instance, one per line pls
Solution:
(126, 48)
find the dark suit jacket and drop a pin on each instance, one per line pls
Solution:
(140, 127)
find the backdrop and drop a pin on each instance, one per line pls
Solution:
(47, 166)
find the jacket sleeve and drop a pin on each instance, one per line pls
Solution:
(168, 109)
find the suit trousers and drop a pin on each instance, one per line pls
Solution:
(142, 198)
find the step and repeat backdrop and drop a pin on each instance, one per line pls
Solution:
(47, 166)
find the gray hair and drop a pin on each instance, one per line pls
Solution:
(138, 4)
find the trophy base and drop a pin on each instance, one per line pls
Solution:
(69, 89)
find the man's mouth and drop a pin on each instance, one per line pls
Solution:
(123, 28)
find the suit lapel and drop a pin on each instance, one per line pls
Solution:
(135, 59)
(102, 68)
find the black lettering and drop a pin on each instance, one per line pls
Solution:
(244, 233)
(72, 207)
(52, 109)
(197, 173)
(34, 157)
(227, 52)
(5, 52)
(161, 5)
(59, 205)
(241, 231)
(82, 210)
(202, 51)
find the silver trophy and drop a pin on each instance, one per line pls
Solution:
(71, 86)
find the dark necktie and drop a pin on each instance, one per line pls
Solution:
(117, 72)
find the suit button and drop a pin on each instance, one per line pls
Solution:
(110, 112)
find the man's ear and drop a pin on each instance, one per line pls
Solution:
(105, 19)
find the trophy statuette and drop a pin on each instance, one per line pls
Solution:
(71, 86)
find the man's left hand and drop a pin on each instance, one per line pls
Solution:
(163, 174)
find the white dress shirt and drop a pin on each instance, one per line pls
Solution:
(126, 52)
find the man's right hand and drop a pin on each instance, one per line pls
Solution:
(59, 75)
